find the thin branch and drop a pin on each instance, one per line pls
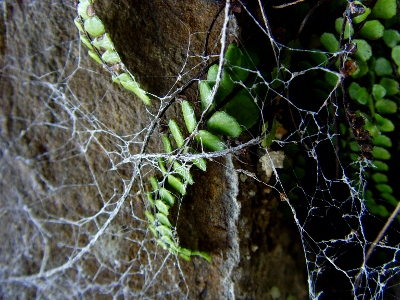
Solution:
(287, 4)
(382, 232)
(269, 31)
(376, 241)
(210, 28)
(308, 16)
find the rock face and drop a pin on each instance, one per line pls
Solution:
(73, 198)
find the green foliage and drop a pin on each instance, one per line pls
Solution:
(379, 177)
(391, 37)
(391, 86)
(380, 166)
(380, 153)
(372, 128)
(384, 188)
(353, 89)
(184, 173)
(378, 91)
(218, 122)
(177, 185)
(384, 124)
(267, 142)
(362, 17)
(364, 50)
(94, 26)
(103, 42)
(384, 9)
(243, 108)
(330, 42)
(362, 95)
(83, 9)
(384, 106)
(110, 56)
(331, 78)
(383, 67)
(224, 124)
(95, 56)
(318, 57)
(396, 55)
(101, 49)
(382, 140)
(87, 43)
(349, 31)
(189, 116)
(210, 141)
(372, 30)
(162, 207)
(176, 133)
(374, 87)
(363, 69)
(167, 144)
(205, 94)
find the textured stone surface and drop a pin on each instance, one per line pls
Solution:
(69, 226)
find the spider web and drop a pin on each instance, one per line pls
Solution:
(74, 174)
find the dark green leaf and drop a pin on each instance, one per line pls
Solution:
(243, 108)
(224, 124)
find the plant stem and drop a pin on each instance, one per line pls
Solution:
(382, 232)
